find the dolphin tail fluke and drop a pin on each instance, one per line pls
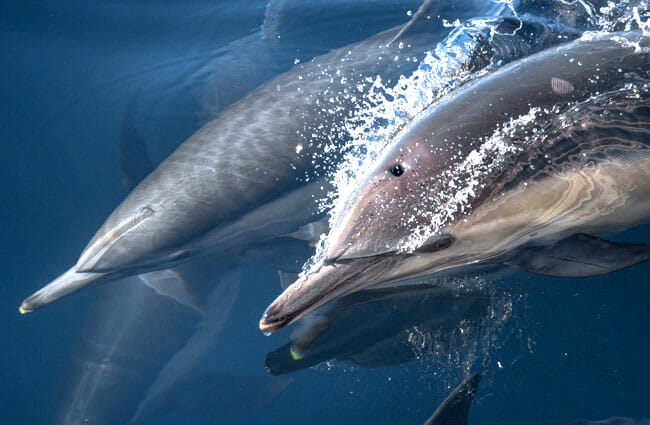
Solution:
(579, 256)
(69, 282)
(455, 408)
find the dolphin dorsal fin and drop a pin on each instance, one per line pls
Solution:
(135, 164)
(455, 408)
(287, 278)
(417, 16)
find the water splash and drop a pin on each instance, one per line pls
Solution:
(468, 177)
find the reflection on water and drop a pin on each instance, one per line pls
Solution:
(375, 328)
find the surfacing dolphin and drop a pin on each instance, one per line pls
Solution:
(249, 176)
(524, 166)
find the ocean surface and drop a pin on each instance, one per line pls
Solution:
(80, 77)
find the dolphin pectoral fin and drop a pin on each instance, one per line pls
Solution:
(579, 256)
(436, 243)
(170, 283)
(69, 282)
(455, 408)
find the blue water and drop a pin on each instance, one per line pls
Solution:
(551, 350)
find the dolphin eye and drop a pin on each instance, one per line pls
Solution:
(397, 170)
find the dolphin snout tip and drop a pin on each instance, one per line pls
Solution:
(267, 327)
(30, 304)
(271, 320)
(25, 308)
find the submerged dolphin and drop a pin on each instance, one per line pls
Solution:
(546, 152)
(248, 176)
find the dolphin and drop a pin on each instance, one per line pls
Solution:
(114, 368)
(525, 166)
(249, 175)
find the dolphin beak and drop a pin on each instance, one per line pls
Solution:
(68, 282)
(327, 282)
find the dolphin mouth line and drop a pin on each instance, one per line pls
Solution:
(332, 261)
(284, 311)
